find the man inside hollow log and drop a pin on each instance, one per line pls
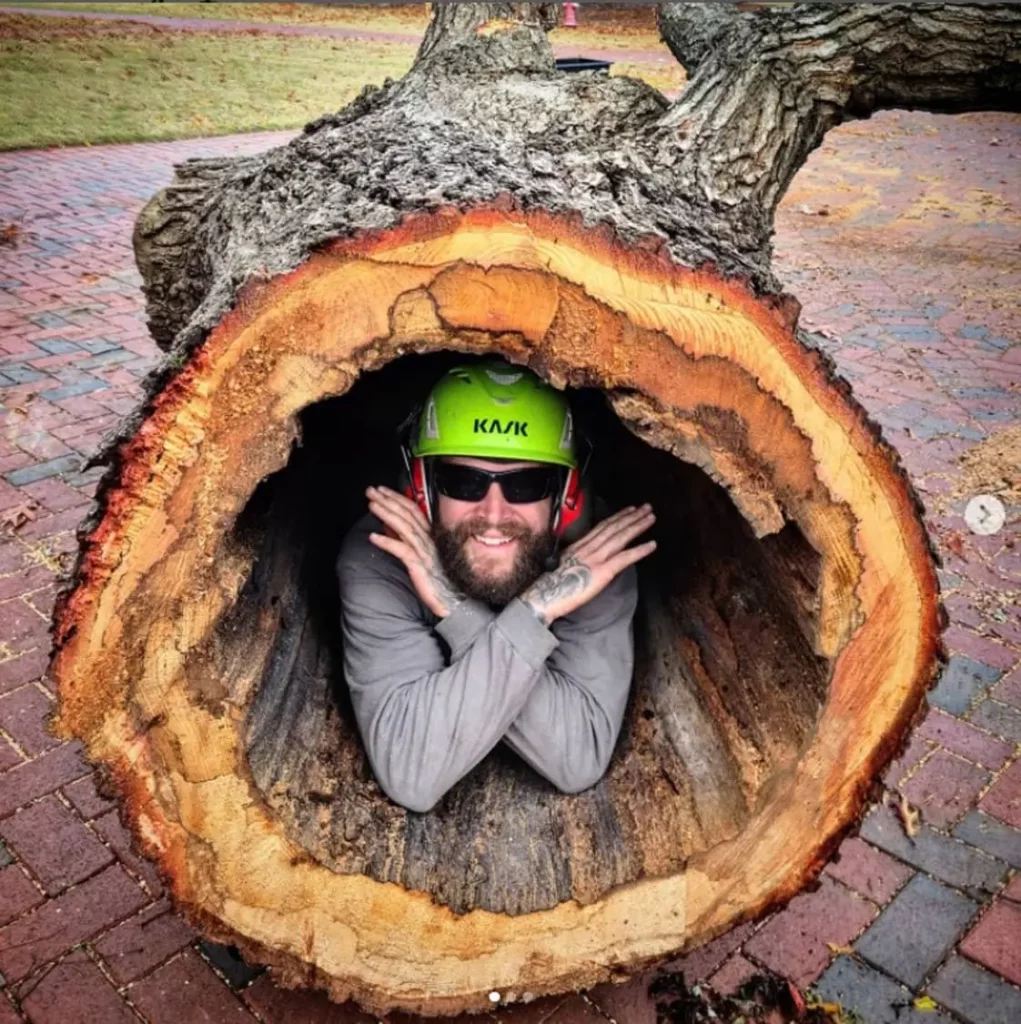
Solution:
(461, 626)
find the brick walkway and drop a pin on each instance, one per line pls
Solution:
(901, 239)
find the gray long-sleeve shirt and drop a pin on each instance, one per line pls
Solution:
(556, 696)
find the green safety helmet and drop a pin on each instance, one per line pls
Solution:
(494, 410)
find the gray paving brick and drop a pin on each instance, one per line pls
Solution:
(976, 995)
(89, 307)
(979, 393)
(962, 681)
(71, 374)
(915, 333)
(993, 836)
(90, 476)
(915, 932)
(929, 427)
(98, 345)
(874, 997)
(57, 346)
(5, 857)
(81, 387)
(947, 859)
(864, 336)
(22, 374)
(998, 718)
(48, 320)
(43, 470)
(107, 358)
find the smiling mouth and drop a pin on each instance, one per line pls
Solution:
(495, 542)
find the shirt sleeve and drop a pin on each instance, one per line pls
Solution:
(426, 724)
(460, 628)
(568, 726)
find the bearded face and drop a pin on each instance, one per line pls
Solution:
(492, 549)
(474, 569)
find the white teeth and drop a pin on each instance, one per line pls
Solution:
(493, 542)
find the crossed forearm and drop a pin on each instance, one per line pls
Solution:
(588, 566)
(552, 589)
(409, 538)
(426, 724)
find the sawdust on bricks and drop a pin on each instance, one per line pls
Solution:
(993, 466)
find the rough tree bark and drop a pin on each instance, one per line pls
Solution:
(621, 246)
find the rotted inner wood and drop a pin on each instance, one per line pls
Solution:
(727, 687)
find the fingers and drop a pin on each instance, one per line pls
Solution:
(610, 523)
(629, 556)
(398, 502)
(396, 548)
(401, 500)
(600, 530)
(620, 532)
(394, 523)
(400, 514)
(624, 533)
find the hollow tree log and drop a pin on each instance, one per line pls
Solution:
(621, 247)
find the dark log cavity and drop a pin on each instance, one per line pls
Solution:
(727, 687)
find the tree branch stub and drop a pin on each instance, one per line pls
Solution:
(767, 86)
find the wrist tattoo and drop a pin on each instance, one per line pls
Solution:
(447, 594)
(568, 580)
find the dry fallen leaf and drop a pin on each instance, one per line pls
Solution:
(925, 1003)
(910, 817)
(955, 542)
(839, 950)
(16, 517)
(10, 234)
(834, 1011)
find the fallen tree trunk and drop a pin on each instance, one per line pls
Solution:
(619, 246)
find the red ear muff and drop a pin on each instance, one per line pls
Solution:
(418, 488)
(572, 503)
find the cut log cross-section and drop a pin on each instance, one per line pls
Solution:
(789, 621)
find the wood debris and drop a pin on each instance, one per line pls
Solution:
(14, 519)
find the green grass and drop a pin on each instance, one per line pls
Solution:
(68, 81)
(408, 20)
(98, 85)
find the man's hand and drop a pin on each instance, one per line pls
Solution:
(409, 539)
(590, 564)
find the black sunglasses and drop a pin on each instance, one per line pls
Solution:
(519, 486)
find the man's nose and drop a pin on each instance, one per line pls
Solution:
(494, 505)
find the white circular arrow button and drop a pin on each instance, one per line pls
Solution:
(985, 514)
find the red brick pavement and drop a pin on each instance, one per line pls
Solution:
(900, 237)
